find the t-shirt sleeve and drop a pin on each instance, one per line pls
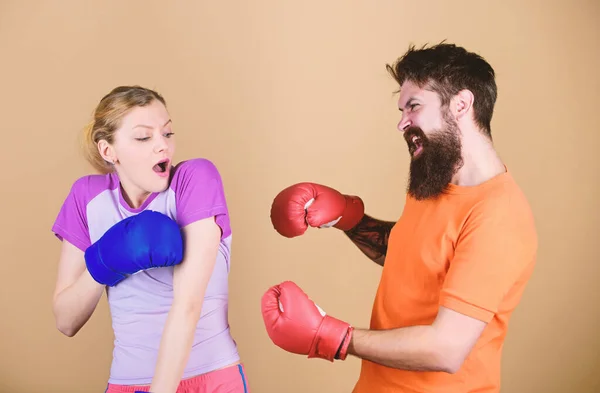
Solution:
(199, 194)
(71, 223)
(496, 247)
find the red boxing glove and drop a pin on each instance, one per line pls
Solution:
(296, 324)
(308, 204)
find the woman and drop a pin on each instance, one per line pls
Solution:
(169, 316)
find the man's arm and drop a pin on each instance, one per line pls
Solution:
(494, 255)
(371, 237)
(441, 346)
(190, 279)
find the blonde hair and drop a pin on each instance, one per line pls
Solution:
(107, 118)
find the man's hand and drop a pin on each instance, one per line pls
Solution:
(304, 205)
(296, 324)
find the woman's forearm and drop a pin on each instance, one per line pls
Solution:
(175, 347)
(190, 279)
(74, 305)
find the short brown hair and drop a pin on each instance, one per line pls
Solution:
(448, 69)
(107, 117)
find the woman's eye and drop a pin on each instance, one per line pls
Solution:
(169, 134)
(142, 139)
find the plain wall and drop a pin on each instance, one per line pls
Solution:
(276, 92)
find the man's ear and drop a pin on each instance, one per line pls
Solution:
(462, 103)
(107, 151)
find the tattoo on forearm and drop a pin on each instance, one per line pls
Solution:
(371, 236)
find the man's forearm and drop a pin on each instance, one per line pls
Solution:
(175, 347)
(415, 348)
(371, 236)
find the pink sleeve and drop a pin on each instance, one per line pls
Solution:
(199, 194)
(71, 223)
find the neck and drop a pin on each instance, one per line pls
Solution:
(480, 161)
(136, 200)
(133, 195)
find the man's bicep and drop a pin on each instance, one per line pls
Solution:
(457, 334)
(493, 252)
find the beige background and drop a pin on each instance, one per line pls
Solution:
(276, 92)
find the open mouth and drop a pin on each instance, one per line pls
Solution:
(415, 146)
(162, 166)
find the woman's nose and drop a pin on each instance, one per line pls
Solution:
(161, 144)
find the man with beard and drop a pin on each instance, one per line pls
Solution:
(455, 264)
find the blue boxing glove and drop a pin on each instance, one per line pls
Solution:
(144, 241)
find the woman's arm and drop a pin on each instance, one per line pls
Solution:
(190, 279)
(76, 294)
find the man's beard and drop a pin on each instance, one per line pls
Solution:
(432, 170)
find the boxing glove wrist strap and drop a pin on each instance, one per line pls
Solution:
(354, 212)
(330, 338)
(342, 351)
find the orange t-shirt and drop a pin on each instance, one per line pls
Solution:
(473, 251)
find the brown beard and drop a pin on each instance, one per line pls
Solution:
(432, 170)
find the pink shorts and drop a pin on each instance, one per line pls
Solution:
(226, 380)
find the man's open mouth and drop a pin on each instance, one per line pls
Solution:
(415, 147)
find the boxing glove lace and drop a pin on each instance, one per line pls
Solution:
(302, 205)
(147, 240)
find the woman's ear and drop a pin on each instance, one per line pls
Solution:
(107, 151)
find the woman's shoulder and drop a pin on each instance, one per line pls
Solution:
(72, 220)
(88, 187)
(198, 190)
(195, 170)
(199, 164)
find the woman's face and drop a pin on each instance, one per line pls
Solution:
(142, 151)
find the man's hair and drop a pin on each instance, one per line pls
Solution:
(448, 69)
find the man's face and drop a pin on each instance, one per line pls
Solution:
(433, 140)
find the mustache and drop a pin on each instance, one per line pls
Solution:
(415, 139)
(410, 132)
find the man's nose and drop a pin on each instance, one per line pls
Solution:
(404, 124)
